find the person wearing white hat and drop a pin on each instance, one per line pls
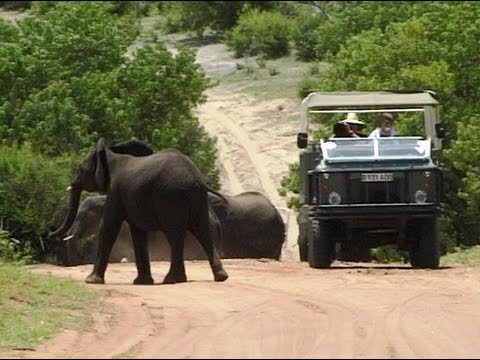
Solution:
(356, 125)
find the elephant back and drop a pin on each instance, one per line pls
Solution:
(254, 227)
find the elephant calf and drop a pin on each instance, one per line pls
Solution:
(250, 227)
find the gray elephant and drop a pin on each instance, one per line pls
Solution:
(247, 226)
(87, 223)
(251, 226)
(151, 192)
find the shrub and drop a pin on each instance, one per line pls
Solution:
(260, 33)
(33, 196)
(12, 250)
(307, 85)
(389, 253)
(304, 35)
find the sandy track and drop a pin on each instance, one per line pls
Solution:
(270, 309)
(256, 144)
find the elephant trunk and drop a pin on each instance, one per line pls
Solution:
(72, 212)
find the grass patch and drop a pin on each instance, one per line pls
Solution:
(462, 256)
(34, 307)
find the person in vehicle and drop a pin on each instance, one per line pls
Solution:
(385, 128)
(356, 125)
(342, 129)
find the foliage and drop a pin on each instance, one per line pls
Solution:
(265, 33)
(34, 307)
(462, 255)
(11, 250)
(32, 196)
(304, 36)
(198, 16)
(291, 183)
(352, 18)
(307, 85)
(389, 253)
(65, 42)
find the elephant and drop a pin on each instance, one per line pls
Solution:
(247, 226)
(87, 223)
(251, 226)
(151, 192)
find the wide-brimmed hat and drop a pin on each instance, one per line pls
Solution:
(352, 118)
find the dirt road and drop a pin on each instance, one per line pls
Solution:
(270, 309)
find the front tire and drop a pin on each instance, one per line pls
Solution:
(425, 250)
(321, 248)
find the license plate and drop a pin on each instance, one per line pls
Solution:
(377, 177)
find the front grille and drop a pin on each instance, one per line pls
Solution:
(376, 192)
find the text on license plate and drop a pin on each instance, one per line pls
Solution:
(373, 177)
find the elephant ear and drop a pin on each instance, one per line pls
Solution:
(132, 147)
(101, 170)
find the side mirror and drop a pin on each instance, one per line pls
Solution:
(302, 140)
(440, 130)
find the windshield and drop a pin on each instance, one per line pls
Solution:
(348, 149)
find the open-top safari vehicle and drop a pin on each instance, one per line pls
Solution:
(371, 191)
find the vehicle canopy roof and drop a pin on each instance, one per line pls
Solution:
(322, 100)
(373, 101)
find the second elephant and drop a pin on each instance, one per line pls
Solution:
(250, 227)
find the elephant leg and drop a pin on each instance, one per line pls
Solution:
(140, 245)
(72, 252)
(109, 229)
(176, 274)
(202, 233)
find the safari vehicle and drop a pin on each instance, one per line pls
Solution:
(367, 191)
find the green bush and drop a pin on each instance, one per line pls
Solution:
(264, 33)
(199, 16)
(304, 35)
(354, 17)
(389, 253)
(307, 85)
(33, 196)
(12, 250)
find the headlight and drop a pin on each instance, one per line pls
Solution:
(334, 198)
(420, 197)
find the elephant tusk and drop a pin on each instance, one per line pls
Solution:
(69, 188)
(68, 238)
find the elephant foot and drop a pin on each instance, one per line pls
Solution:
(145, 280)
(220, 275)
(94, 279)
(174, 278)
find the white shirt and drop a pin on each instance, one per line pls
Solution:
(377, 133)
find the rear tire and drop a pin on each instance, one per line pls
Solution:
(425, 250)
(321, 249)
